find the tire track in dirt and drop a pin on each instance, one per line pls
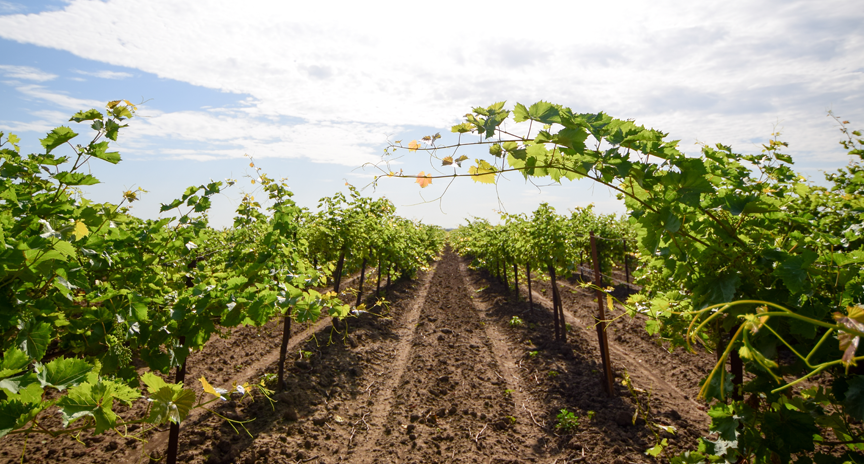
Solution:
(508, 363)
(405, 334)
(452, 404)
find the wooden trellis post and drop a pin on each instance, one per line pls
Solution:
(609, 384)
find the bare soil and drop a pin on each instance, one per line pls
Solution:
(440, 375)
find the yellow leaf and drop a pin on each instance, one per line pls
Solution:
(460, 159)
(423, 179)
(80, 230)
(413, 146)
(483, 172)
(447, 161)
(609, 302)
(208, 388)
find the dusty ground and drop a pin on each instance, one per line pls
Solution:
(440, 376)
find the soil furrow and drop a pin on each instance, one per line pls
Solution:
(452, 404)
(387, 391)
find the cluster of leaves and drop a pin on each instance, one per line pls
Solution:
(545, 239)
(354, 230)
(738, 252)
(89, 293)
(567, 421)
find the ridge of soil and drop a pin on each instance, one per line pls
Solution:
(437, 375)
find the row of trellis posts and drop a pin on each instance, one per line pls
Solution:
(558, 311)
(180, 374)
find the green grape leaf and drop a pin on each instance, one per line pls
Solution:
(95, 400)
(339, 311)
(544, 112)
(520, 113)
(235, 282)
(14, 385)
(783, 157)
(723, 421)
(541, 111)
(261, 310)
(852, 257)
(793, 270)
(722, 289)
(62, 373)
(307, 311)
(33, 338)
(671, 222)
(854, 401)
(13, 139)
(111, 129)
(64, 248)
(76, 178)
(462, 128)
(657, 449)
(748, 204)
(572, 138)
(31, 393)
(137, 308)
(99, 151)
(14, 361)
(153, 381)
(15, 415)
(57, 137)
(652, 326)
(170, 206)
(88, 115)
(789, 432)
(9, 195)
(170, 403)
(689, 457)
(715, 389)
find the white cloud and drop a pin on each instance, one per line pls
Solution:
(17, 127)
(25, 73)
(716, 73)
(9, 7)
(104, 74)
(58, 99)
(345, 143)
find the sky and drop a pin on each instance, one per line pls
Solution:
(313, 91)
